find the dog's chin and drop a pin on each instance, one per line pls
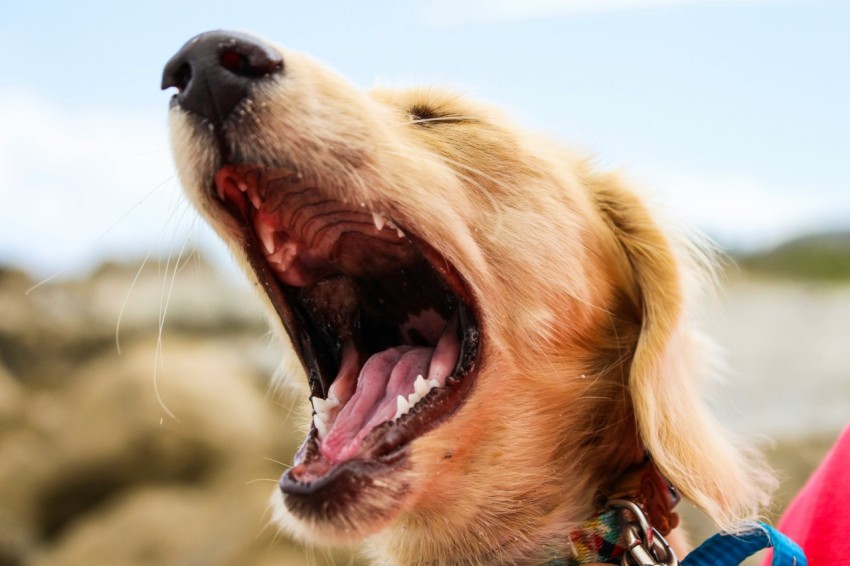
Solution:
(344, 501)
(360, 513)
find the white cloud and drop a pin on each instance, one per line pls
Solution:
(446, 13)
(67, 175)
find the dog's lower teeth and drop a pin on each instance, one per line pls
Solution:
(402, 406)
(321, 427)
(325, 411)
(420, 387)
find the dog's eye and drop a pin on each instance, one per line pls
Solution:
(420, 113)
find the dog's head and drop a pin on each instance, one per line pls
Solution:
(491, 331)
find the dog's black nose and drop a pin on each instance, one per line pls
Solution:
(214, 70)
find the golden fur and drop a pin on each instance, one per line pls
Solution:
(589, 354)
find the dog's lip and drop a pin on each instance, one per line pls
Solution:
(293, 484)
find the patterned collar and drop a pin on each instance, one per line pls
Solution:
(599, 538)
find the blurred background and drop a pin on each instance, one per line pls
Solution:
(136, 421)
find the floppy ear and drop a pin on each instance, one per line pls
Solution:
(720, 476)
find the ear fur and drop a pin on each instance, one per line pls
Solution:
(723, 478)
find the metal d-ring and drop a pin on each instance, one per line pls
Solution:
(644, 545)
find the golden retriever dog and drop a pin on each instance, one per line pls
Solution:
(493, 334)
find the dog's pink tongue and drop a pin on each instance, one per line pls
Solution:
(384, 377)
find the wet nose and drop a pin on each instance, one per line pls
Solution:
(214, 71)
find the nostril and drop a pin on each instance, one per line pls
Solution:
(235, 62)
(249, 65)
(182, 77)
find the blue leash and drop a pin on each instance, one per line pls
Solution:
(728, 549)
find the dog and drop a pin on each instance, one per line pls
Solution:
(493, 333)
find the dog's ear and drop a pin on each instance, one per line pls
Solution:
(723, 478)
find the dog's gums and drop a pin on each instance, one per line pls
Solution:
(489, 332)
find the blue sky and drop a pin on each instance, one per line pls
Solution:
(737, 112)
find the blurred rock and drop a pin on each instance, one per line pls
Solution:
(166, 453)
(45, 331)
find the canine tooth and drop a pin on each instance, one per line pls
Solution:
(393, 226)
(402, 406)
(321, 427)
(321, 416)
(255, 199)
(325, 405)
(379, 221)
(266, 234)
(420, 386)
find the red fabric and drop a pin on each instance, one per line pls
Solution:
(819, 517)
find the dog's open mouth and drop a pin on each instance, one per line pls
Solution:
(383, 324)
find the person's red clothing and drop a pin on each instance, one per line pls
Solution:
(819, 517)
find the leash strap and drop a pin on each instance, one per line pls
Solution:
(728, 549)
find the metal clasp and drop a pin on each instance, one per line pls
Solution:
(644, 545)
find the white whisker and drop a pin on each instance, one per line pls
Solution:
(103, 235)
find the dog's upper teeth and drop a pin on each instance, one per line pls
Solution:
(392, 225)
(379, 221)
(266, 234)
(256, 201)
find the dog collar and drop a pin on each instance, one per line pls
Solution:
(639, 513)
(638, 509)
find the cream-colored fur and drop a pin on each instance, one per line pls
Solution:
(588, 359)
